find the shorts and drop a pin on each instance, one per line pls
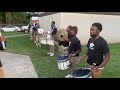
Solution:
(0, 64)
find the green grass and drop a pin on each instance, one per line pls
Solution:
(46, 66)
(12, 33)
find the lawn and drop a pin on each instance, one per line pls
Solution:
(46, 66)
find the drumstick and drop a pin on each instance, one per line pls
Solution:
(91, 68)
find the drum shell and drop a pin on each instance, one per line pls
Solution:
(63, 64)
(40, 31)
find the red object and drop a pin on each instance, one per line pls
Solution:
(36, 21)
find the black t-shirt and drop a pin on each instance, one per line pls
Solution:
(74, 45)
(0, 64)
(54, 31)
(96, 50)
(35, 29)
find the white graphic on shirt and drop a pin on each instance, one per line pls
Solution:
(91, 46)
(69, 43)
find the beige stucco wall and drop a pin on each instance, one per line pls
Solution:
(111, 24)
(45, 21)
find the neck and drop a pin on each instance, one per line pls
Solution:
(96, 37)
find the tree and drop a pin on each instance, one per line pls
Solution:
(13, 18)
(8, 17)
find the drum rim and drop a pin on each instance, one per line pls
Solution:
(85, 76)
(63, 60)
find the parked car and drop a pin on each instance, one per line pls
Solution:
(10, 28)
(25, 28)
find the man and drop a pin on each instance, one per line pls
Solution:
(73, 51)
(1, 71)
(53, 32)
(97, 47)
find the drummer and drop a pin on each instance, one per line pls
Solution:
(73, 50)
(97, 47)
(1, 71)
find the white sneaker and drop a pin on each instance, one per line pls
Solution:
(52, 54)
(4, 48)
(49, 53)
(68, 76)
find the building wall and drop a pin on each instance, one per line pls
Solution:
(45, 21)
(111, 27)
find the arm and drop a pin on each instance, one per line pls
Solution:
(78, 45)
(106, 59)
(84, 55)
(106, 54)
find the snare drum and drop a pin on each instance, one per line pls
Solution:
(63, 62)
(81, 73)
(40, 31)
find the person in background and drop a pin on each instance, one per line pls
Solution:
(53, 32)
(1, 71)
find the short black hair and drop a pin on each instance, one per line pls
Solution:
(70, 27)
(53, 22)
(75, 29)
(98, 25)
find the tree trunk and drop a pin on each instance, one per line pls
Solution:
(8, 17)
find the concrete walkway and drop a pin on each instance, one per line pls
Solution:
(17, 66)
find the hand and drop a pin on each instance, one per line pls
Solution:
(82, 58)
(65, 49)
(96, 68)
(72, 55)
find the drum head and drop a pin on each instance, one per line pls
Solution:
(62, 58)
(81, 73)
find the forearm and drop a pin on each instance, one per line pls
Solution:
(78, 51)
(105, 61)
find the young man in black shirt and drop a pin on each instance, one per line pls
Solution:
(73, 50)
(97, 47)
(53, 32)
(1, 71)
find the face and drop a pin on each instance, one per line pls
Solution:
(52, 25)
(72, 33)
(94, 31)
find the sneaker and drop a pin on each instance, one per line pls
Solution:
(52, 54)
(68, 76)
(49, 53)
(4, 48)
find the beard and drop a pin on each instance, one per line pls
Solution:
(93, 36)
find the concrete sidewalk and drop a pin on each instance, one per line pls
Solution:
(17, 66)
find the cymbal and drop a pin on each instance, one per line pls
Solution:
(63, 32)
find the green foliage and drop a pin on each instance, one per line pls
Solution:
(13, 18)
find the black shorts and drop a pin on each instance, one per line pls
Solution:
(0, 64)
